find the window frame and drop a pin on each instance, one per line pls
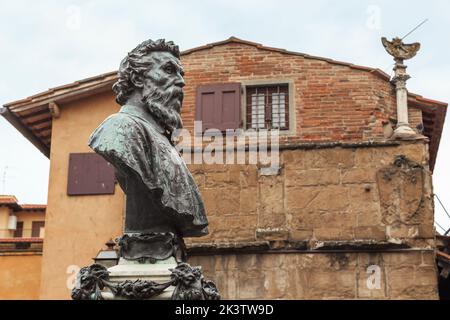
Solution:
(270, 82)
(36, 226)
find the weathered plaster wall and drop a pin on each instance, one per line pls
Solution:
(4, 218)
(21, 276)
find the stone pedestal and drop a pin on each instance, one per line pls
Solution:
(147, 270)
(133, 270)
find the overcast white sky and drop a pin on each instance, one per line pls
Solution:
(49, 43)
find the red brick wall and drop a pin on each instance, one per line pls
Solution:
(332, 102)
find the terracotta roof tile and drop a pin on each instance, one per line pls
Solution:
(6, 199)
(11, 201)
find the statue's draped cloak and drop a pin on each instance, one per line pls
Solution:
(160, 189)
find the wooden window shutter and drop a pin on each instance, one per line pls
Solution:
(36, 228)
(219, 106)
(90, 174)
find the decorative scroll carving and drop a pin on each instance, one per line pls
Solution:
(188, 281)
(90, 283)
(152, 246)
(191, 285)
(139, 289)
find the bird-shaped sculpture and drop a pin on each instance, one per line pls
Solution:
(399, 50)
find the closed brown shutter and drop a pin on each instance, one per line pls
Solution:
(18, 233)
(36, 228)
(219, 106)
(90, 174)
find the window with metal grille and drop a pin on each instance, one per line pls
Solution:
(268, 107)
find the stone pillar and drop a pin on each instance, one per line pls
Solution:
(401, 52)
(403, 129)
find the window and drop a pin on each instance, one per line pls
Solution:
(18, 233)
(252, 104)
(267, 107)
(90, 174)
(36, 229)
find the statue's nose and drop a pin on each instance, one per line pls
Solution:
(180, 82)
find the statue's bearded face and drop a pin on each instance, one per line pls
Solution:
(162, 89)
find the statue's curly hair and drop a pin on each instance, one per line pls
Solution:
(133, 64)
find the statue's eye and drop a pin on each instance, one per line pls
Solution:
(169, 69)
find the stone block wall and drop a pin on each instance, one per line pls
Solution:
(321, 194)
(330, 213)
(402, 275)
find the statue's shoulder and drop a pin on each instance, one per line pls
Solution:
(119, 123)
(120, 119)
(115, 131)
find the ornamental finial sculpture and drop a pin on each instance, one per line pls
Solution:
(401, 51)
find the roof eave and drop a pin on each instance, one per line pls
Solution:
(439, 109)
(64, 97)
(25, 131)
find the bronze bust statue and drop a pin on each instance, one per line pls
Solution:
(163, 203)
(162, 195)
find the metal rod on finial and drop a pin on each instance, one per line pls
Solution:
(420, 24)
